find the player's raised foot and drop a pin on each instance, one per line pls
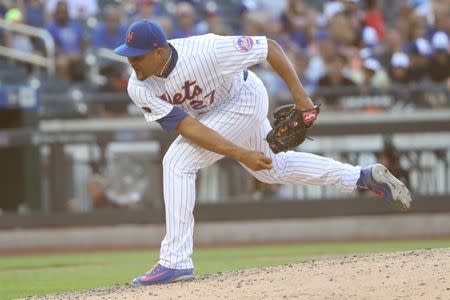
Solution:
(162, 275)
(379, 180)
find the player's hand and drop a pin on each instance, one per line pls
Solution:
(256, 161)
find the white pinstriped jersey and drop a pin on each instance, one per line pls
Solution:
(206, 74)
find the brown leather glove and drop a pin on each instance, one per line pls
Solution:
(290, 127)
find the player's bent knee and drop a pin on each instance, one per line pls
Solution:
(170, 161)
(176, 164)
(269, 177)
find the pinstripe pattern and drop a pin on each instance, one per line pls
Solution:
(300, 167)
(183, 159)
(238, 112)
(243, 121)
(201, 59)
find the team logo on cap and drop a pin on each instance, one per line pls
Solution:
(243, 43)
(130, 36)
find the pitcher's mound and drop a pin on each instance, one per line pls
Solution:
(421, 274)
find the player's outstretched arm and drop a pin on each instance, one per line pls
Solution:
(210, 140)
(277, 58)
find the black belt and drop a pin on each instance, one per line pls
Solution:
(245, 74)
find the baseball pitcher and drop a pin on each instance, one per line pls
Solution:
(200, 87)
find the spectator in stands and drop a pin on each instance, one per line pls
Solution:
(399, 75)
(373, 17)
(185, 24)
(393, 43)
(340, 31)
(295, 22)
(213, 22)
(419, 52)
(312, 30)
(335, 78)
(34, 15)
(417, 28)
(252, 23)
(246, 6)
(317, 62)
(77, 9)
(166, 24)
(273, 29)
(399, 68)
(369, 37)
(34, 12)
(428, 9)
(368, 40)
(244, 9)
(3, 9)
(352, 13)
(69, 41)
(14, 40)
(440, 60)
(373, 75)
(276, 87)
(441, 19)
(301, 64)
(141, 9)
(332, 8)
(110, 33)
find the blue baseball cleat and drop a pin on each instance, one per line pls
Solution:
(162, 275)
(378, 179)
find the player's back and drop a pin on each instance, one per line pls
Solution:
(194, 45)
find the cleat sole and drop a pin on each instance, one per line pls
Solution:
(400, 194)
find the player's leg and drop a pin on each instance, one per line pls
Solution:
(300, 167)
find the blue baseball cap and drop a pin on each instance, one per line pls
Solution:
(419, 46)
(142, 37)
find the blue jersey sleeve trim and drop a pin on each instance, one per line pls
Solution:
(172, 119)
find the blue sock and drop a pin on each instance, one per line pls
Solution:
(364, 178)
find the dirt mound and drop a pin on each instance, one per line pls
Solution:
(423, 274)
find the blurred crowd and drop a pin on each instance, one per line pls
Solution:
(370, 44)
(338, 48)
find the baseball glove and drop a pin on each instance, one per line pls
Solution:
(290, 127)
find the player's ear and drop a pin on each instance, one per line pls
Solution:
(160, 51)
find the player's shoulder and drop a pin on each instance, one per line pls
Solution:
(134, 82)
(195, 43)
(194, 38)
(136, 86)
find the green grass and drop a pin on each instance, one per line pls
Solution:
(22, 276)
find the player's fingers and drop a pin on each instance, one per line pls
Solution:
(267, 160)
(266, 164)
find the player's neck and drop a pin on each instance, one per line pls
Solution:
(167, 61)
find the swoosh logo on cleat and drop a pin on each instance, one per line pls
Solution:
(153, 277)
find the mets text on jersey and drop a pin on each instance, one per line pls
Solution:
(189, 91)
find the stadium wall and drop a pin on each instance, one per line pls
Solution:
(376, 227)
